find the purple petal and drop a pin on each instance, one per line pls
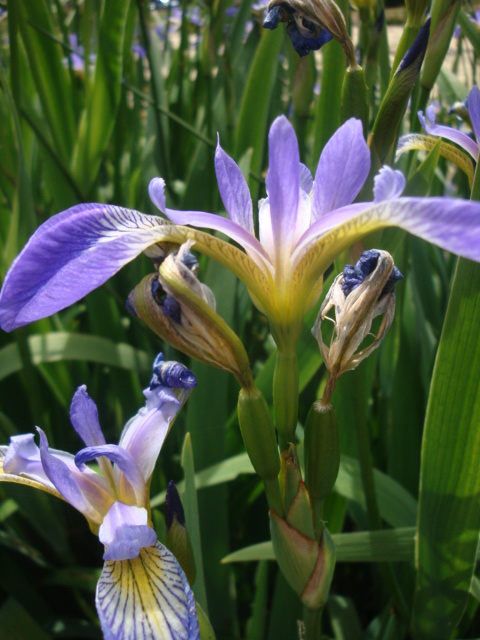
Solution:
(230, 228)
(342, 169)
(448, 133)
(148, 597)
(124, 461)
(23, 458)
(64, 481)
(69, 256)
(283, 182)
(234, 190)
(84, 418)
(306, 180)
(474, 111)
(388, 184)
(144, 434)
(124, 531)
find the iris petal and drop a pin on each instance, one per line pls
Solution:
(448, 133)
(84, 418)
(146, 598)
(342, 169)
(234, 190)
(474, 111)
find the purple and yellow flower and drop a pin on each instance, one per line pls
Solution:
(114, 499)
(469, 145)
(303, 226)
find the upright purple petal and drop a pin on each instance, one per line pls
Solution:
(146, 598)
(144, 434)
(474, 111)
(283, 182)
(84, 418)
(234, 190)
(342, 169)
(124, 531)
(306, 180)
(388, 184)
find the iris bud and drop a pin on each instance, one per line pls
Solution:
(177, 538)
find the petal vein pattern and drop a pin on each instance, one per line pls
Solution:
(144, 599)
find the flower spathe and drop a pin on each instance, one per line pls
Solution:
(303, 226)
(115, 503)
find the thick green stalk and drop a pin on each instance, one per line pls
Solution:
(312, 620)
(285, 397)
(409, 33)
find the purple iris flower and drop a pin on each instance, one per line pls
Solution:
(303, 226)
(115, 502)
(449, 133)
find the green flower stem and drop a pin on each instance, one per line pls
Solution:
(354, 100)
(312, 619)
(368, 482)
(285, 397)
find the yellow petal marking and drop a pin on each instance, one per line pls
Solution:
(421, 142)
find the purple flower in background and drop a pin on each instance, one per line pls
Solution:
(115, 503)
(449, 133)
(303, 226)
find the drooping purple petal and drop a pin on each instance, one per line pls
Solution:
(474, 111)
(69, 256)
(388, 184)
(447, 132)
(342, 169)
(84, 418)
(124, 531)
(64, 481)
(144, 434)
(146, 598)
(124, 461)
(283, 182)
(234, 190)
(207, 221)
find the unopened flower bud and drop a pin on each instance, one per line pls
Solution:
(181, 310)
(177, 538)
(310, 24)
(357, 296)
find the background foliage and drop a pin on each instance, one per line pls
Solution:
(96, 99)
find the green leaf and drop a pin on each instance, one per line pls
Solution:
(190, 505)
(17, 624)
(98, 119)
(54, 347)
(390, 545)
(448, 516)
(252, 119)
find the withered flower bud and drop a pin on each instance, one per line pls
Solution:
(358, 295)
(181, 310)
(310, 24)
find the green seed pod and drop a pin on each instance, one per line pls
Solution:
(258, 432)
(322, 451)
